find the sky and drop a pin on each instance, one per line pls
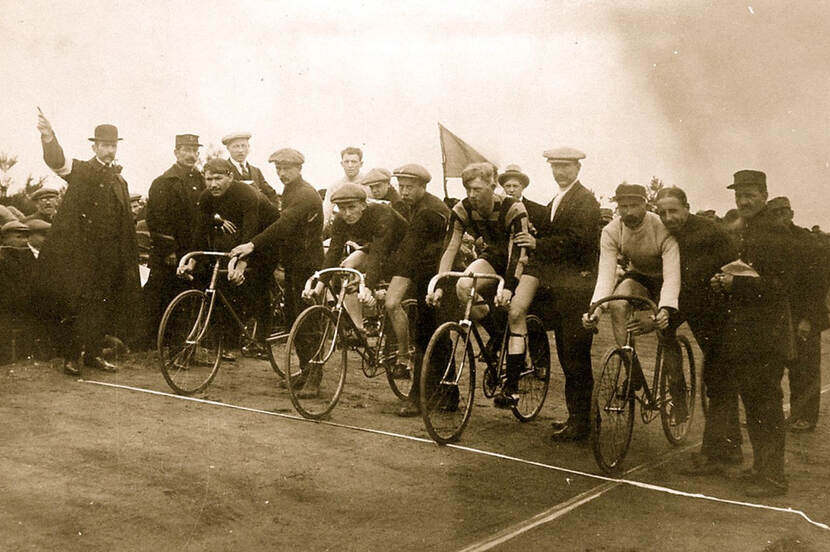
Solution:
(689, 92)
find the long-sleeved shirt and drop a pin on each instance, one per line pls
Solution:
(380, 227)
(649, 249)
(420, 250)
(248, 209)
(328, 206)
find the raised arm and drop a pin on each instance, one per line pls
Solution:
(52, 151)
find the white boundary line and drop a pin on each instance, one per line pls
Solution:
(491, 454)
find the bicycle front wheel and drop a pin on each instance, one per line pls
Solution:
(315, 366)
(448, 375)
(677, 393)
(400, 383)
(189, 346)
(612, 411)
(535, 377)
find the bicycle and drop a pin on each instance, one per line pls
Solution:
(612, 408)
(189, 343)
(448, 371)
(323, 330)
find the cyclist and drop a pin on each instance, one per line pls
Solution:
(418, 255)
(375, 229)
(651, 267)
(242, 213)
(496, 220)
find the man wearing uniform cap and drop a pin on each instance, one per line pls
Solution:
(351, 159)
(170, 216)
(415, 263)
(759, 339)
(378, 183)
(46, 204)
(514, 182)
(805, 368)
(559, 280)
(90, 276)
(295, 239)
(238, 146)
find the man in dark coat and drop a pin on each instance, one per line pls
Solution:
(514, 182)
(759, 337)
(563, 264)
(171, 216)
(88, 261)
(296, 237)
(704, 248)
(809, 317)
(238, 147)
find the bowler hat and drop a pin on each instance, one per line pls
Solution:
(348, 192)
(412, 170)
(376, 176)
(749, 177)
(187, 140)
(630, 190)
(287, 156)
(228, 138)
(513, 171)
(105, 133)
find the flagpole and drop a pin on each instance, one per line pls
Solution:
(443, 161)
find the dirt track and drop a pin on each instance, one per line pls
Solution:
(89, 467)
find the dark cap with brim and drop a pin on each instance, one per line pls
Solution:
(630, 190)
(349, 192)
(749, 177)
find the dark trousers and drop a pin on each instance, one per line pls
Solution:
(563, 316)
(759, 385)
(721, 430)
(428, 320)
(805, 380)
(162, 287)
(295, 279)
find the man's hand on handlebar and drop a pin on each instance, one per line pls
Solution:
(242, 250)
(503, 298)
(434, 298)
(184, 270)
(590, 321)
(311, 293)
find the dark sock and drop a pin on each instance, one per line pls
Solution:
(515, 363)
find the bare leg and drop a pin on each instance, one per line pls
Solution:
(621, 310)
(462, 288)
(397, 317)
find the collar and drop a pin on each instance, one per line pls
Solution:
(566, 189)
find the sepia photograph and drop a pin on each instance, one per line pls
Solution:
(433, 276)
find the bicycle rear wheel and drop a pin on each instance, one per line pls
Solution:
(312, 357)
(448, 375)
(535, 377)
(189, 346)
(612, 411)
(677, 393)
(401, 384)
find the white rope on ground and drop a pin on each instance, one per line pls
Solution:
(633, 483)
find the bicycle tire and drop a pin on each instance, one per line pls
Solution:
(401, 386)
(189, 347)
(446, 405)
(612, 411)
(314, 337)
(676, 431)
(535, 378)
(704, 397)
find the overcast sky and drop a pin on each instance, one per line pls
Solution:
(686, 91)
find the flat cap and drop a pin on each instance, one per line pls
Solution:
(780, 202)
(227, 139)
(40, 193)
(14, 226)
(749, 177)
(563, 155)
(287, 156)
(413, 170)
(513, 171)
(38, 225)
(135, 197)
(187, 140)
(376, 175)
(349, 192)
(6, 215)
(630, 190)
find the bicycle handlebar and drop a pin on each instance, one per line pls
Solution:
(315, 278)
(637, 299)
(188, 256)
(474, 275)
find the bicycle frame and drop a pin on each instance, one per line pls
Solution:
(466, 322)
